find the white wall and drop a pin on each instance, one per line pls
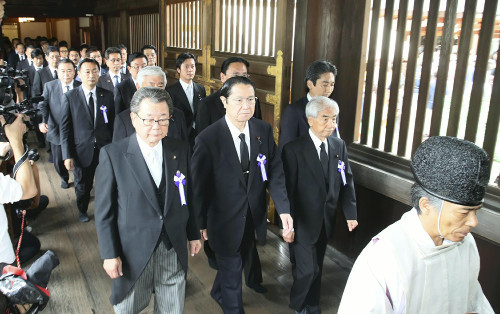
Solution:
(33, 29)
(63, 31)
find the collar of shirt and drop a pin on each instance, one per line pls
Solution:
(185, 86)
(147, 150)
(317, 142)
(38, 68)
(51, 70)
(70, 86)
(86, 92)
(235, 133)
(148, 153)
(309, 97)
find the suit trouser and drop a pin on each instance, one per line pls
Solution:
(163, 274)
(251, 262)
(59, 162)
(227, 285)
(84, 180)
(307, 268)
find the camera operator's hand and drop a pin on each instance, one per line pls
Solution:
(68, 163)
(24, 176)
(19, 91)
(4, 148)
(43, 127)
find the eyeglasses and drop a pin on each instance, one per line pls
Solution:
(137, 67)
(238, 74)
(240, 101)
(151, 122)
(115, 60)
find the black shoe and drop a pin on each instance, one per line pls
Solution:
(42, 204)
(64, 184)
(83, 217)
(257, 287)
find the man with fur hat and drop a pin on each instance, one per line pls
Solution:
(428, 262)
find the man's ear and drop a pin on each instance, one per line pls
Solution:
(310, 84)
(309, 120)
(425, 206)
(224, 100)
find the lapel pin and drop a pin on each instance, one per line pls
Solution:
(336, 156)
(258, 139)
(175, 157)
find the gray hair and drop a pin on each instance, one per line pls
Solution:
(150, 71)
(154, 94)
(417, 192)
(320, 103)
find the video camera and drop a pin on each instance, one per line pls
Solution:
(26, 107)
(15, 75)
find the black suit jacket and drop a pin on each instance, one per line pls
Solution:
(23, 65)
(310, 202)
(123, 126)
(222, 197)
(51, 108)
(78, 133)
(123, 94)
(13, 60)
(31, 74)
(42, 76)
(211, 109)
(294, 122)
(181, 101)
(106, 83)
(128, 216)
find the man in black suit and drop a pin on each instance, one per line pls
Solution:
(186, 93)
(17, 56)
(126, 89)
(318, 177)
(26, 62)
(48, 73)
(74, 55)
(113, 77)
(151, 76)
(320, 81)
(86, 126)
(123, 51)
(151, 53)
(234, 161)
(51, 109)
(210, 108)
(144, 209)
(93, 52)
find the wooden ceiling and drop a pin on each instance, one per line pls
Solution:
(48, 8)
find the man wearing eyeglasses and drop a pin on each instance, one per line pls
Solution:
(151, 76)
(144, 210)
(86, 126)
(46, 74)
(114, 77)
(210, 108)
(234, 161)
(126, 89)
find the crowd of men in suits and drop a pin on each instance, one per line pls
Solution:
(164, 157)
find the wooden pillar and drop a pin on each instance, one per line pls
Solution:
(318, 29)
(124, 28)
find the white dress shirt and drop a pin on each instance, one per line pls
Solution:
(188, 90)
(235, 133)
(10, 191)
(154, 159)
(70, 85)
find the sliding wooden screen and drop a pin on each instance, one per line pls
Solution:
(144, 30)
(431, 69)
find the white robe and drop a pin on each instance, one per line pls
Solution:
(402, 271)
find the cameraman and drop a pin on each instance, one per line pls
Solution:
(12, 190)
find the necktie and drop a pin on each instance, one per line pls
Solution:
(55, 74)
(67, 88)
(31, 63)
(116, 80)
(244, 158)
(323, 157)
(91, 106)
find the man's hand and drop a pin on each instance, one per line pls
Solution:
(351, 224)
(113, 267)
(43, 127)
(287, 222)
(289, 237)
(204, 234)
(194, 247)
(4, 148)
(68, 163)
(15, 132)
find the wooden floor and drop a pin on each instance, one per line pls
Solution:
(80, 285)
